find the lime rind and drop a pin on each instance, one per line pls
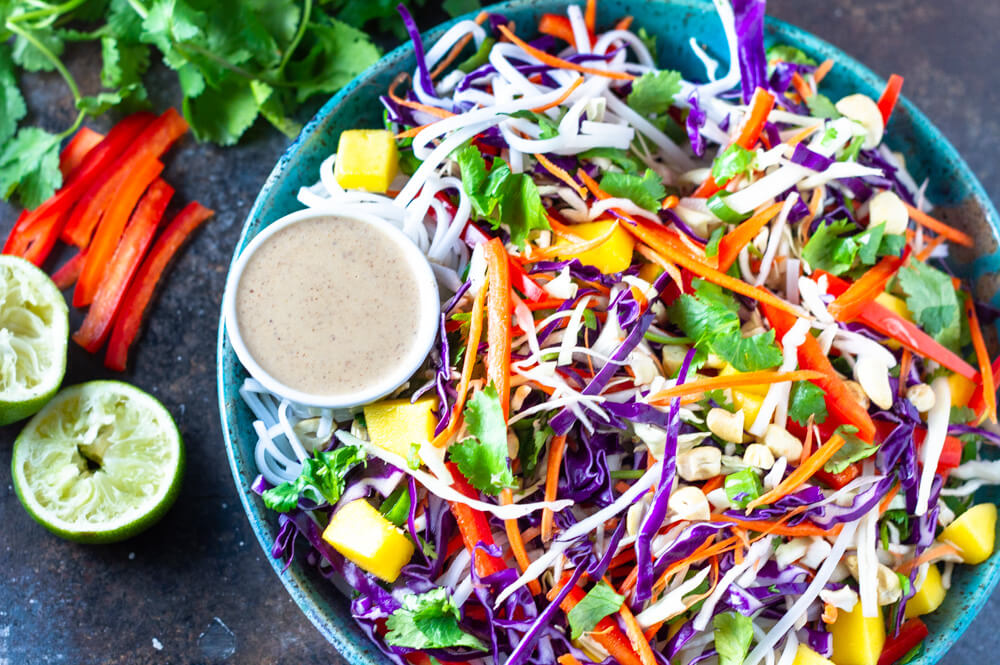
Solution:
(100, 463)
(34, 332)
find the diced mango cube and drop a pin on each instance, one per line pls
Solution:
(396, 424)
(364, 536)
(729, 370)
(366, 159)
(961, 389)
(929, 596)
(973, 533)
(612, 255)
(649, 272)
(749, 403)
(857, 640)
(895, 304)
(806, 656)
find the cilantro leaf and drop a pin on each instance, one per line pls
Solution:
(654, 92)
(807, 400)
(482, 458)
(870, 241)
(30, 57)
(646, 191)
(786, 53)
(547, 128)
(933, 302)
(733, 161)
(748, 354)
(601, 601)
(826, 250)
(222, 114)
(853, 450)
(531, 441)
(12, 107)
(322, 479)
(820, 106)
(338, 52)
(618, 157)
(712, 248)
(29, 165)
(733, 635)
(429, 621)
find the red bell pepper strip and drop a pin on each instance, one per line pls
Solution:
(989, 389)
(135, 241)
(865, 289)
(519, 279)
(149, 145)
(839, 400)
(839, 480)
(73, 154)
(978, 400)
(760, 108)
(606, 632)
(951, 453)
(474, 526)
(70, 271)
(558, 26)
(132, 308)
(910, 635)
(128, 186)
(883, 320)
(887, 102)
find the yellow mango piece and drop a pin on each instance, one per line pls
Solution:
(366, 159)
(649, 272)
(857, 640)
(395, 424)
(973, 533)
(364, 536)
(895, 304)
(749, 403)
(806, 656)
(729, 370)
(929, 596)
(613, 255)
(961, 389)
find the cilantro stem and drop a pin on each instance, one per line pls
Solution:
(139, 9)
(294, 44)
(45, 12)
(44, 50)
(666, 339)
(75, 126)
(627, 474)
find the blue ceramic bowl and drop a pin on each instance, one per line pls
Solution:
(953, 187)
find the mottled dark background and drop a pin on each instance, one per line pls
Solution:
(197, 589)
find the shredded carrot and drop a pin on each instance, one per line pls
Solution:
(557, 446)
(590, 16)
(413, 131)
(475, 332)
(807, 444)
(802, 135)
(577, 82)
(453, 53)
(778, 528)
(820, 72)
(929, 248)
(758, 378)
(801, 87)
(568, 659)
(575, 249)
(669, 202)
(516, 540)
(731, 244)
(553, 61)
(939, 227)
(829, 613)
(939, 551)
(866, 288)
(803, 472)
(668, 267)
(634, 631)
(431, 110)
(904, 370)
(983, 357)
(816, 201)
(712, 484)
(624, 23)
(560, 174)
(884, 506)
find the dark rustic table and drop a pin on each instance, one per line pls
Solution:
(197, 589)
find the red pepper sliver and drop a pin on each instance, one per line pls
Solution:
(474, 526)
(73, 154)
(558, 26)
(67, 275)
(139, 293)
(887, 102)
(150, 144)
(129, 186)
(135, 241)
(910, 635)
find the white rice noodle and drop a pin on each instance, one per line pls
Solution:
(868, 563)
(810, 293)
(581, 36)
(775, 237)
(789, 650)
(457, 569)
(625, 205)
(711, 64)
(937, 432)
(732, 77)
(792, 268)
(674, 155)
(767, 645)
(987, 471)
(612, 37)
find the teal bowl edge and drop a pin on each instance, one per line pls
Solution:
(961, 197)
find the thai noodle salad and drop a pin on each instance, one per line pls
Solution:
(704, 390)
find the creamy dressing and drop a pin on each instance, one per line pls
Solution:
(329, 305)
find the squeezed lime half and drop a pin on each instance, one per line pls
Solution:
(34, 332)
(101, 462)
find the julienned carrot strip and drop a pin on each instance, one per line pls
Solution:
(469, 362)
(929, 248)
(67, 274)
(457, 48)
(905, 362)
(884, 506)
(864, 290)
(124, 263)
(670, 201)
(557, 447)
(606, 632)
(803, 472)
(568, 659)
(516, 540)
(474, 526)
(731, 244)
(936, 552)
(562, 230)
(560, 174)
(624, 23)
(498, 334)
(983, 357)
(978, 400)
(140, 292)
(76, 150)
(412, 131)
(712, 484)
(778, 528)
(820, 72)
(801, 87)
(417, 106)
(558, 26)
(757, 378)
(590, 16)
(890, 96)
(939, 227)
(803, 135)
(559, 63)
(574, 249)
(635, 635)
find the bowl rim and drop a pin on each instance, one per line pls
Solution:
(366, 654)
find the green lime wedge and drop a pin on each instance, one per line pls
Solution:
(99, 463)
(34, 330)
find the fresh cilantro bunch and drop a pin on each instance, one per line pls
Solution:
(429, 621)
(482, 458)
(838, 246)
(323, 479)
(236, 61)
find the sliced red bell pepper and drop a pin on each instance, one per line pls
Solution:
(139, 293)
(519, 279)
(885, 321)
(951, 453)
(887, 102)
(839, 480)
(67, 275)
(474, 526)
(839, 400)
(978, 400)
(910, 635)
(558, 26)
(149, 145)
(124, 263)
(129, 186)
(73, 154)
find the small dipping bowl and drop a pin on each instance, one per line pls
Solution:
(349, 296)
